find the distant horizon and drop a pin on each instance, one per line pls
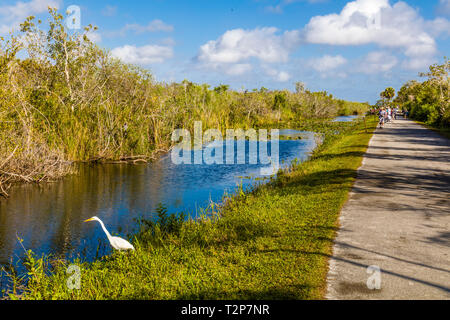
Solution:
(350, 49)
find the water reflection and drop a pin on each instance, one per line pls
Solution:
(49, 217)
(345, 118)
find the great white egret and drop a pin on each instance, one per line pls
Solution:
(116, 242)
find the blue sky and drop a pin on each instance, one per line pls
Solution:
(352, 49)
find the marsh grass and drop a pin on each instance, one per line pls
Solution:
(272, 242)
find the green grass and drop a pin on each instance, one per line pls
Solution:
(272, 243)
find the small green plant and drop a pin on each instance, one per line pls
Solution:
(161, 227)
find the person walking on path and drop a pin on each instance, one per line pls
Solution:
(381, 117)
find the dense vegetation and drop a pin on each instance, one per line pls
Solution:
(429, 101)
(272, 243)
(68, 100)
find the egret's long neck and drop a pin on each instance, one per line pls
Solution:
(104, 229)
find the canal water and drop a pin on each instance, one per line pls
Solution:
(49, 217)
(346, 118)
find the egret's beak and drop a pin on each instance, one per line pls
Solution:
(89, 220)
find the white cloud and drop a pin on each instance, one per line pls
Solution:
(418, 63)
(156, 25)
(438, 26)
(12, 15)
(348, 27)
(230, 69)
(237, 69)
(168, 42)
(143, 55)
(275, 9)
(232, 52)
(378, 62)
(280, 76)
(279, 7)
(283, 76)
(153, 26)
(377, 22)
(327, 63)
(444, 7)
(239, 45)
(94, 36)
(109, 11)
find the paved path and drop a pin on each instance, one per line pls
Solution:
(397, 218)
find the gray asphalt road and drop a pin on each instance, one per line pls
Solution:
(397, 219)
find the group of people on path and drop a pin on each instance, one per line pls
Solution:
(388, 114)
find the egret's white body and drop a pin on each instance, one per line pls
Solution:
(116, 242)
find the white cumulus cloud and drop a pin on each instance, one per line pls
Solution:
(444, 7)
(283, 76)
(378, 62)
(12, 15)
(143, 55)
(237, 51)
(94, 36)
(327, 63)
(237, 69)
(153, 26)
(279, 8)
(156, 25)
(397, 26)
(109, 11)
(238, 45)
(280, 76)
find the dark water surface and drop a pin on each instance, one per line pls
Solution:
(49, 217)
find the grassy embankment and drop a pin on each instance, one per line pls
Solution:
(272, 243)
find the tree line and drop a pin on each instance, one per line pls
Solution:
(427, 101)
